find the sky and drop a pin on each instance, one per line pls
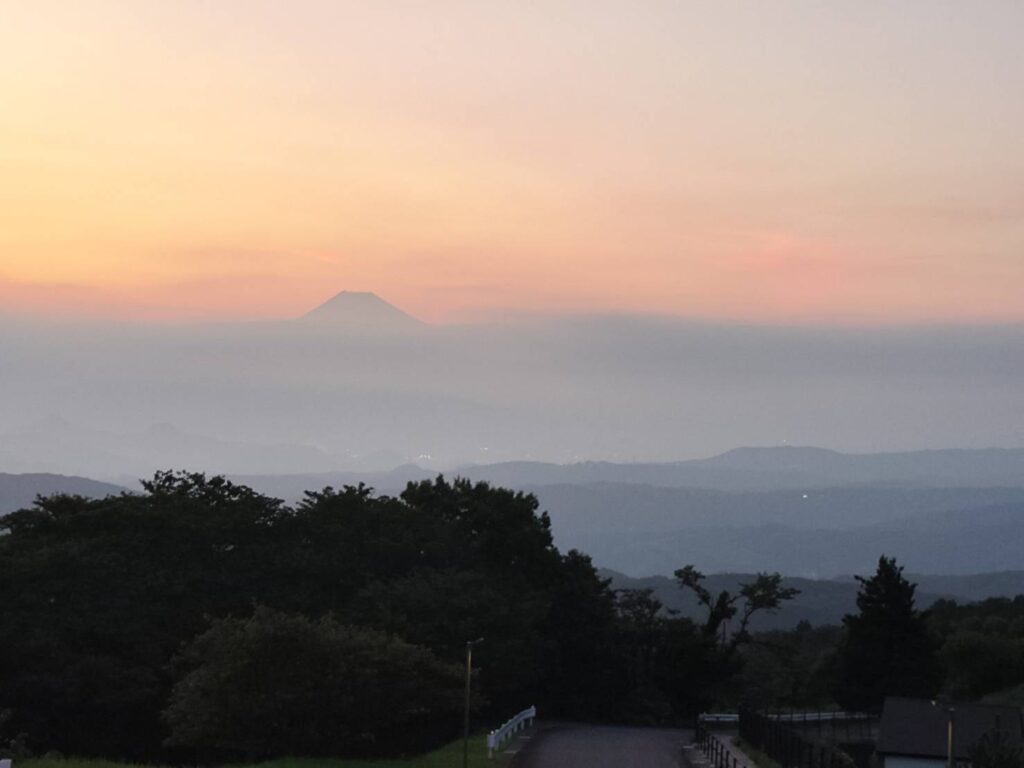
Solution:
(766, 162)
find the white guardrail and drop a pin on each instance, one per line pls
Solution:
(496, 739)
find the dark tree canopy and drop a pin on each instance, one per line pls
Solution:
(272, 603)
(96, 597)
(983, 647)
(278, 683)
(765, 593)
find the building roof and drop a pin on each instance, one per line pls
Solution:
(918, 728)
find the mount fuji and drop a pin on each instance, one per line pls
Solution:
(360, 311)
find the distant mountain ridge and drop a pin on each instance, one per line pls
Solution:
(1002, 466)
(19, 491)
(57, 446)
(743, 469)
(786, 467)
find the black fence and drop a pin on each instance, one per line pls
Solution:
(777, 738)
(838, 726)
(718, 753)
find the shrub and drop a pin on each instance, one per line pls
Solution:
(277, 684)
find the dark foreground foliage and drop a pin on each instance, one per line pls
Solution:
(983, 644)
(98, 596)
(279, 683)
(886, 648)
(203, 620)
(889, 647)
(995, 750)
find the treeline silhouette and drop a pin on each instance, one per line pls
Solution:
(201, 620)
(965, 652)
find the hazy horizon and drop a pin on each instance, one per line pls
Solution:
(497, 317)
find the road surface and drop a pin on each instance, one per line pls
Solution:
(588, 746)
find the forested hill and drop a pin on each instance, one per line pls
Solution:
(19, 491)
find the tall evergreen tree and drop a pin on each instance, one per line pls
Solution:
(888, 650)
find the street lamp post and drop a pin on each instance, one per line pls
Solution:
(950, 759)
(950, 712)
(465, 714)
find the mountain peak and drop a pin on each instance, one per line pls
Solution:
(360, 311)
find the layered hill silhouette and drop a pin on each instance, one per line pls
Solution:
(968, 541)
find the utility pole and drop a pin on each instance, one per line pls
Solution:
(465, 716)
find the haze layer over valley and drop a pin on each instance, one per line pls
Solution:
(357, 384)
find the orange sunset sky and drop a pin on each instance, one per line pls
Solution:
(759, 161)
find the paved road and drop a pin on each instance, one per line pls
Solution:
(586, 746)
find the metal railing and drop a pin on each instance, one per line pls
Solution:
(497, 738)
(794, 717)
(780, 739)
(826, 716)
(718, 752)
